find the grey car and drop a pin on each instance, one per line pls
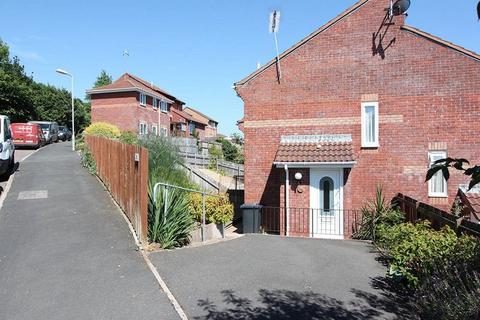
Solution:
(50, 130)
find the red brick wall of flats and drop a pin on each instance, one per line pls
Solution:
(428, 95)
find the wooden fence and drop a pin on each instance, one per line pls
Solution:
(415, 210)
(123, 169)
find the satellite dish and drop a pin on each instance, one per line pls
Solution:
(478, 10)
(400, 7)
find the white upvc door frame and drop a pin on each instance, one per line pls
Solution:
(336, 174)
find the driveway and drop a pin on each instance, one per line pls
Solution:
(271, 277)
(66, 251)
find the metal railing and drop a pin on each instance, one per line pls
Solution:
(308, 222)
(167, 187)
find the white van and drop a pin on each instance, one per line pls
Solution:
(7, 149)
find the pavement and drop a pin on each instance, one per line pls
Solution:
(271, 277)
(66, 251)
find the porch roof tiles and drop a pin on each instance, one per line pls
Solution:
(320, 152)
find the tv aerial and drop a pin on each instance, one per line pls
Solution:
(273, 28)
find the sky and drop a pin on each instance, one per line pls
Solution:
(193, 49)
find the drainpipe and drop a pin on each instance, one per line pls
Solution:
(287, 200)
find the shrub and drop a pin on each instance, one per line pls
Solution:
(449, 293)
(171, 227)
(128, 137)
(215, 154)
(102, 129)
(87, 160)
(164, 162)
(415, 250)
(375, 213)
(217, 209)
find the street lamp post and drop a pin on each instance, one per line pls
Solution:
(61, 71)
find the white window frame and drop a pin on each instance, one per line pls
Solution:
(183, 127)
(142, 125)
(154, 129)
(143, 99)
(163, 106)
(432, 157)
(155, 103)
(365, 143)
(163, 132)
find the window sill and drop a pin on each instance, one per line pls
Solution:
(438, 196)
(143, 105)
(164, 111)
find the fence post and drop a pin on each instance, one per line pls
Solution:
(203, 216)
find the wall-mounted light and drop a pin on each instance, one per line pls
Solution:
(298, 176)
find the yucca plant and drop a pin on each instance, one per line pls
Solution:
(169, 221)
(374, 213)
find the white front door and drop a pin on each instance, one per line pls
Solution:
(326, 203)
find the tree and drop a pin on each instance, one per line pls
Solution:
(230, 152)
(15, 87)
(103, 79)
(445, 164)
(237, 138)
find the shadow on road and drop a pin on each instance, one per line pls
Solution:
(285, 304)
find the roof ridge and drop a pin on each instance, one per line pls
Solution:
(300, 43)
(441, 41)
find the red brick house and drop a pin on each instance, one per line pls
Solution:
(365, 100)
(211, 125)
(134, 104)
(186, 125)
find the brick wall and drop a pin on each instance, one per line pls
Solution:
(428, 95)
(123, 110)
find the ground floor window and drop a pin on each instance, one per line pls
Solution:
(163, 132)
(437, 186)
(154, 129)
(143, 128)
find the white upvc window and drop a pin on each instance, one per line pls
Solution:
(163, 132)
(155, 103)
(154, 129)
(370, 124)
(437, 186)
(143, 99)
(163, 106)
(183, 127)
(143, 128)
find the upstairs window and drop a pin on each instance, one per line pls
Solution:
(370, 125)
(143, 128)
(192, 127)
(437, 186)
(143, 99)
(163, 106)
(155, 103)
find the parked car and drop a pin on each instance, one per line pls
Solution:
(27, 135)
(64, 134)
(50, 130)
(7, 148)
